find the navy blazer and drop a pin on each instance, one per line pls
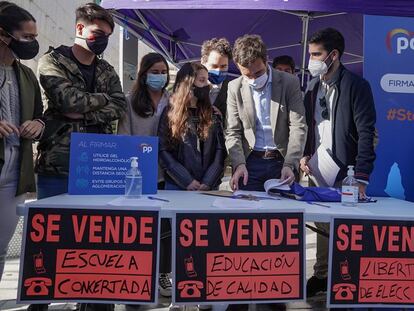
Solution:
(353, 121)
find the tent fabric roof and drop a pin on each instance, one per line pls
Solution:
(182, 32)
(177, 28)
(373, 7)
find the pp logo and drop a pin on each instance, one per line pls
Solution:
(146, 148)
(405, 40)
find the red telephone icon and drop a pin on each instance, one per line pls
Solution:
(37, 286)
(344, 291)
(190, 289)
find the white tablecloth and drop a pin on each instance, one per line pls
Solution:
(181, 201)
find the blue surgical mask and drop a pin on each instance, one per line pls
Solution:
(259, 82)
(156, 82)
(216, 76)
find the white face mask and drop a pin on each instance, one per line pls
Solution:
(318, 67)
(259, 82)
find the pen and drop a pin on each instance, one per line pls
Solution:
(157, 199)
(251, 197)
(267, 198)
(244, 197)
(319, 204)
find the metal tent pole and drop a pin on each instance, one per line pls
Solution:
(139, 37)
(154, 35)
(305, 28)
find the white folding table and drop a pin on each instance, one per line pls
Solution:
(180, 201)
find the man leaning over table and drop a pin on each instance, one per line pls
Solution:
(266, 126)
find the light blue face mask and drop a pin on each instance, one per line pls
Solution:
(156, 81)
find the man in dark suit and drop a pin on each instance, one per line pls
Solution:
(216, 55)
(340, 114)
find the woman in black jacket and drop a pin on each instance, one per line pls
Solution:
(192, 149)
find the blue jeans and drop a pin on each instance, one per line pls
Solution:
(49, 186)
(9, 178)
(260, 170)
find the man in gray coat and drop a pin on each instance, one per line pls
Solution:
(266, 126)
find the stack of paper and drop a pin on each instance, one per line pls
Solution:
(236, 203)
(323, 168)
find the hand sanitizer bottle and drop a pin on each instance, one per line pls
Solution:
(133, 181)
(350, 188)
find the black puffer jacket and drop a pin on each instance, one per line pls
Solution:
(191, 158)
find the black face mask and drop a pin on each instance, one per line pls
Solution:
(201, 92)
(97, 45)
(24, 49)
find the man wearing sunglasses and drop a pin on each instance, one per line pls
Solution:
(340, 114)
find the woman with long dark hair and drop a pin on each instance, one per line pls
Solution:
(148, 97)
(192, 149)
(21, 111)
(146, 102)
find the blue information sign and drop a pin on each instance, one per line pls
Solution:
(98, 163)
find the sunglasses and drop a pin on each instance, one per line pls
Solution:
(324, 106)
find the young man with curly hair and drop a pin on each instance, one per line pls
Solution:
(215, 56)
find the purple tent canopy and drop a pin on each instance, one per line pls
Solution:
(374, 7)
(177, 28)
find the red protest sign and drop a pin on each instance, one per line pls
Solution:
(89, 255)
(227, 257)
(372, 262)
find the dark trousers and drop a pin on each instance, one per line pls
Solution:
(260, 170)
(165, 246)
(165, 240)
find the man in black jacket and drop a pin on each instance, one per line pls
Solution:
(340, 115)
